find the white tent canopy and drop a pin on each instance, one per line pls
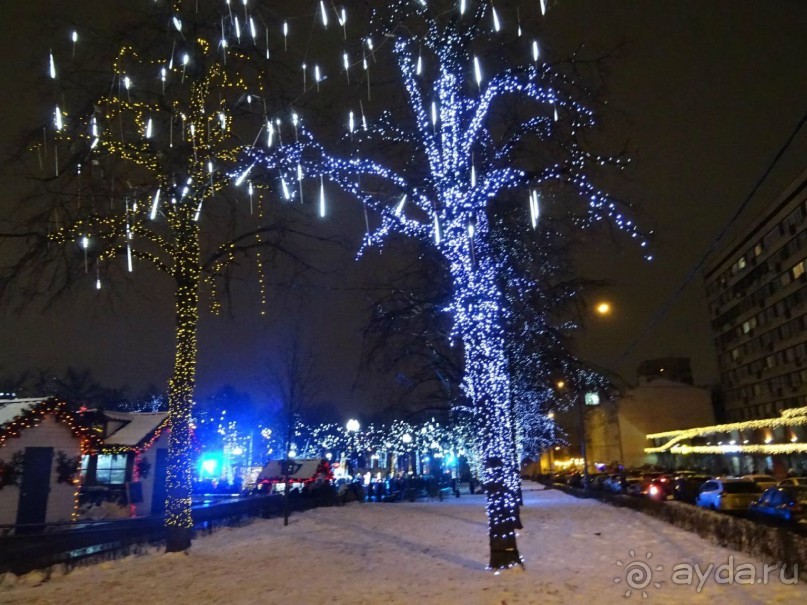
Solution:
(273, 470)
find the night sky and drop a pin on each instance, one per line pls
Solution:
(704, 94)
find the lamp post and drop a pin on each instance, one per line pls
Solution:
(581, 405)
(581, 402)
(352, 427)
(407, 439)
(551, 417)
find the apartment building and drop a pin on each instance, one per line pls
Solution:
(756, 288)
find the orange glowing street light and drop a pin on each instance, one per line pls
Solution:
(603, 308)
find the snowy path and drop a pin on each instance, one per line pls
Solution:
(421, 553)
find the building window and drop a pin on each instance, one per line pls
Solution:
(110, 469)
(592, 398)
(758, 249)
(798, 270)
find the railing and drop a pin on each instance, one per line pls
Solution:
(41, 546)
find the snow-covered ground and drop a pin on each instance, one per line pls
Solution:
(421, 553)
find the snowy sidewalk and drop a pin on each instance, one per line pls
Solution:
(422, 553)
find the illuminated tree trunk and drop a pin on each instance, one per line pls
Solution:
(178, 521)
(480, 318)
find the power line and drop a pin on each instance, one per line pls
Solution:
(665, 308)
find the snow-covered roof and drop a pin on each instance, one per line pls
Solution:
(13, 408)
(133, 427)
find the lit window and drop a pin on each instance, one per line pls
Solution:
(798, 270)
(111, 469)
(758, 249)
(741, 263)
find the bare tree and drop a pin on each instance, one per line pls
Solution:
(295, 379)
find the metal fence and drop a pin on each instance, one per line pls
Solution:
(23, 549)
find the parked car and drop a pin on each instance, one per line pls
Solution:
(725, 494)
(599, 481)
(660, 488)
(763, 481)
(792, 481)
(612, 483)
(685, 489)
(636, 486)
(788, 503)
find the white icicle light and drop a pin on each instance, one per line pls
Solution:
(253, 30)
(535, 52)
(535, 210)
(57, 119)
(85, 242)
(350, 122)
(222, 120)
(473, 176)
(321, 197)
(543, 7)
(419, 66)
(52, 66)
(462, 7)
(244, 175)
(285, 188)
(148, 129)
(324, 13)
(399, 207)
(496, 25)
(74, 36)
(177, 24)
(477, 71)
(434, 113)
(437, 237)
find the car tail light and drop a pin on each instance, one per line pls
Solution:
(653, 490)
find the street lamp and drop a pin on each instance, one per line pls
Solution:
(406, 438)
(551, 417)
(581, 402)
(603, 308)
(352, 427)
